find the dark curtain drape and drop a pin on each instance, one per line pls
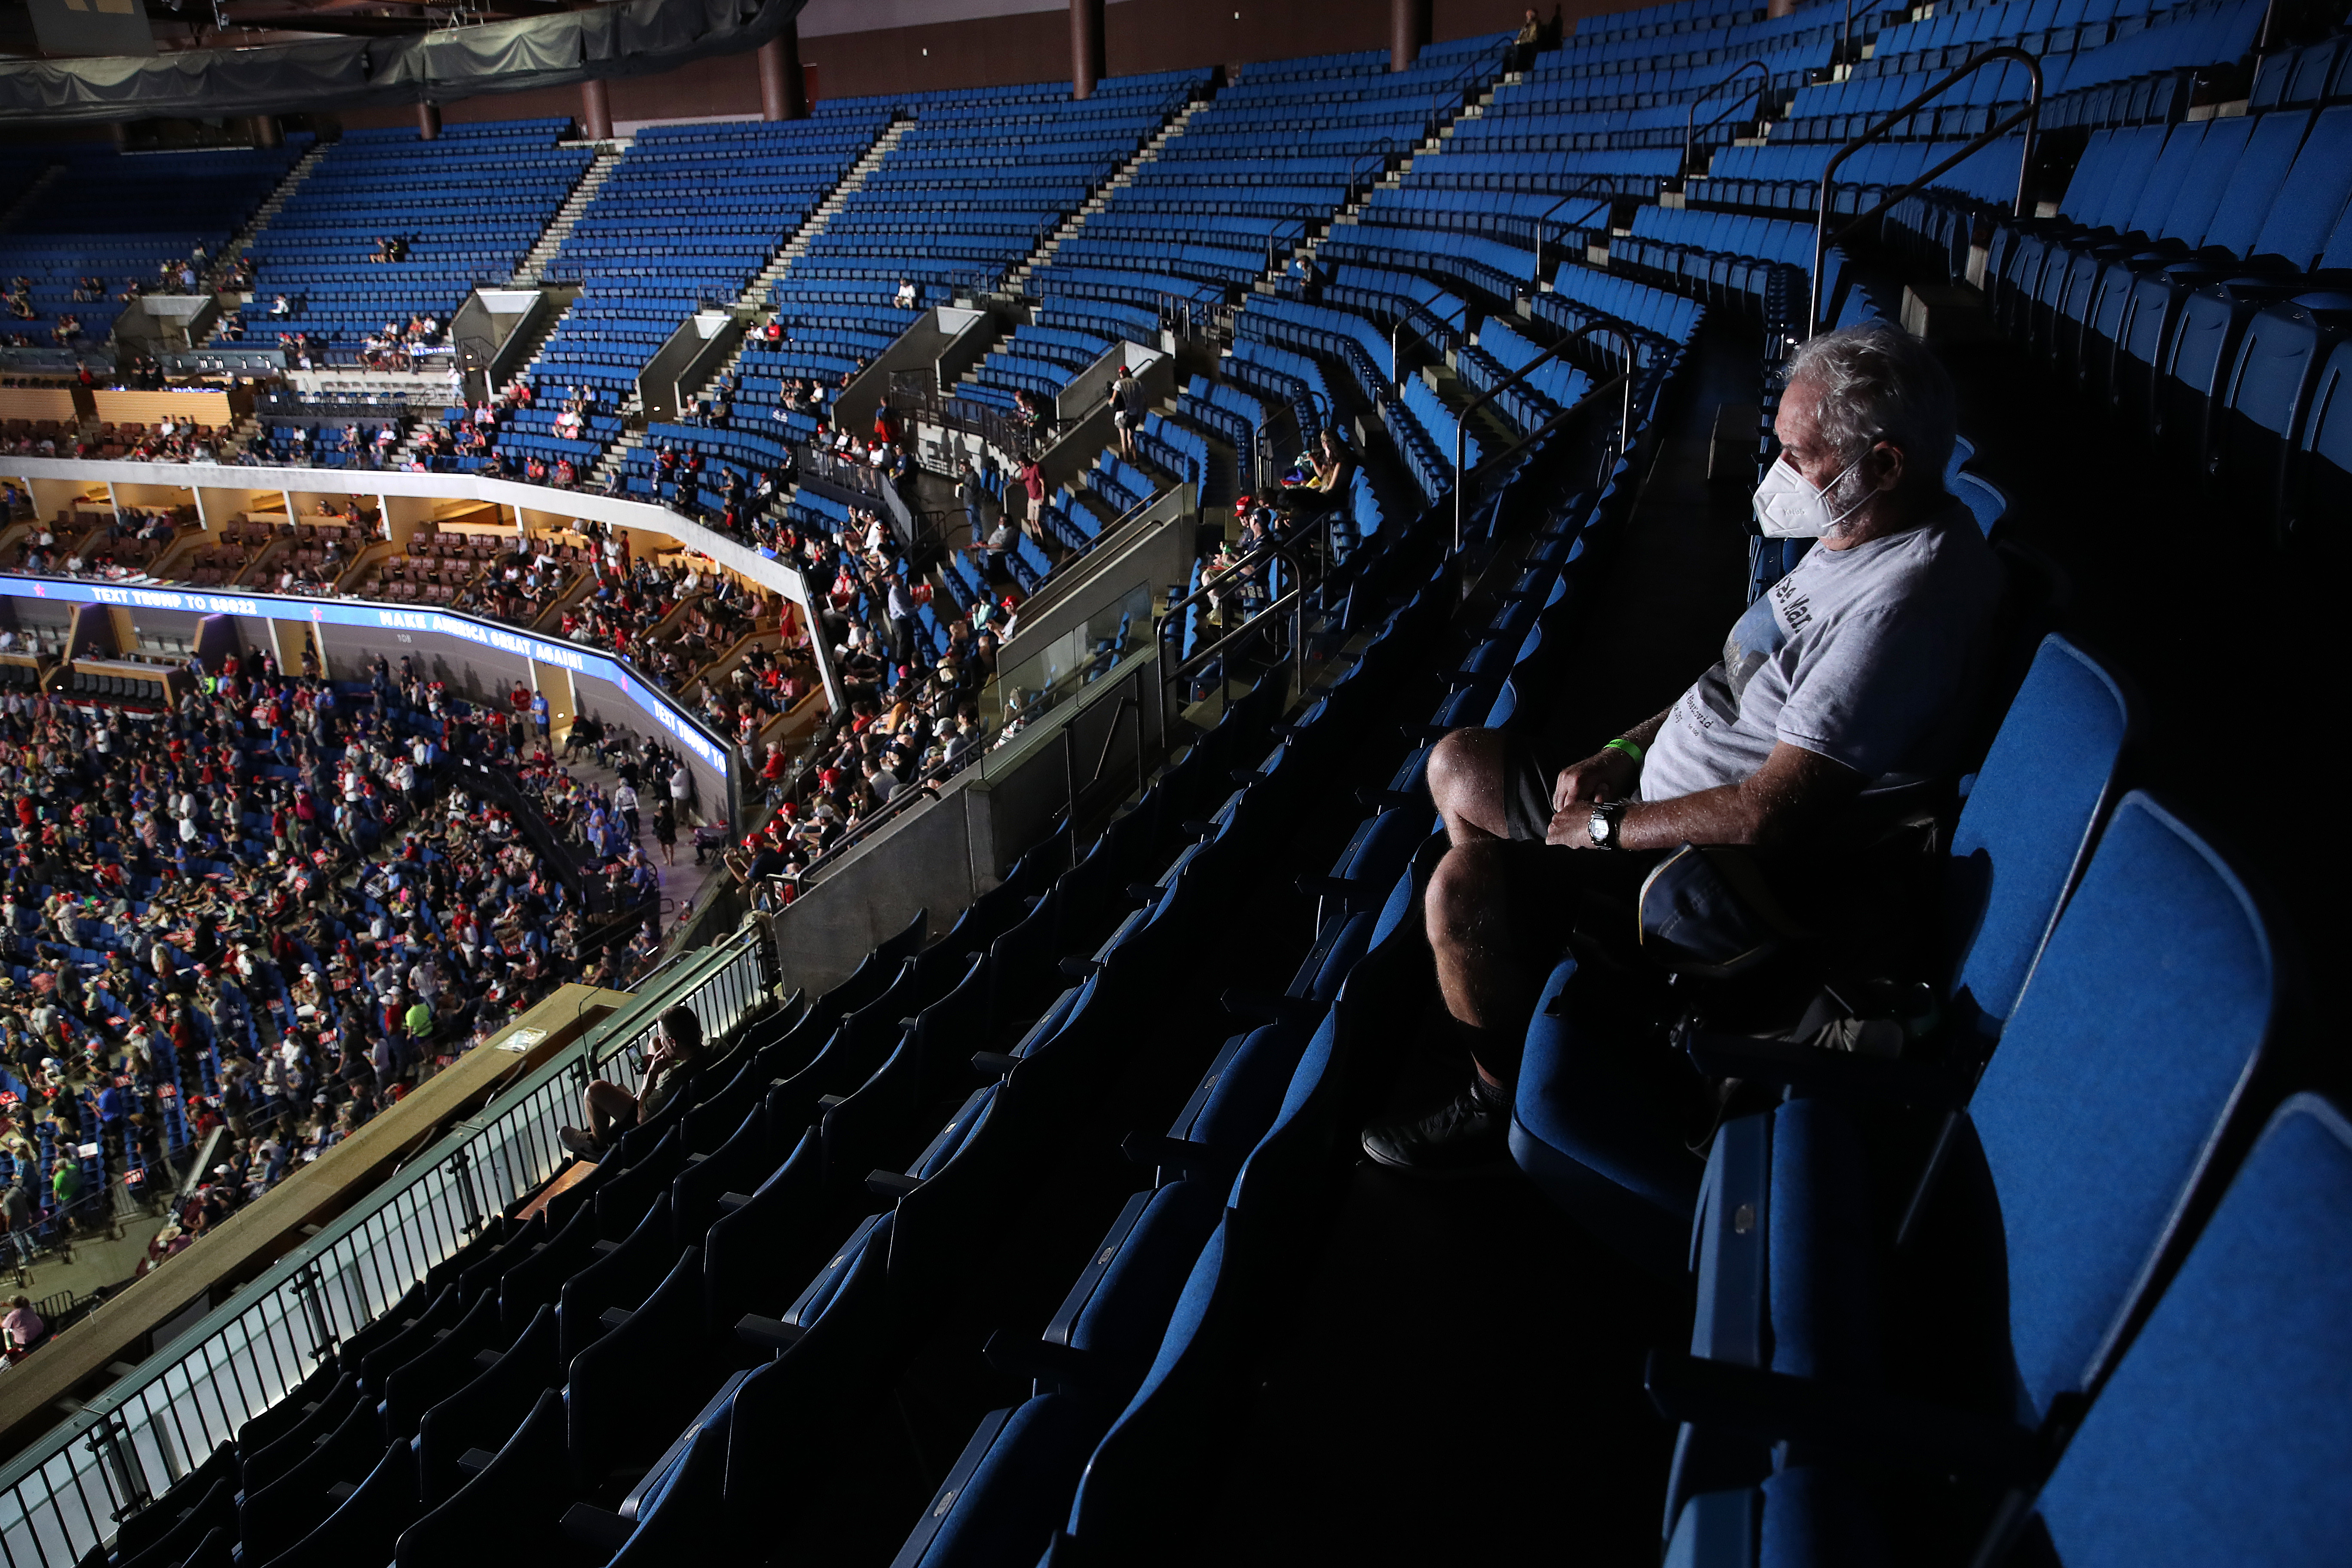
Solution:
(637, 38)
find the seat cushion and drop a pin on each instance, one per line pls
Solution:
(1599, 1124)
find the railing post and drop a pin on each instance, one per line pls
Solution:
(1070, 779)
(1139, 729)
(311, 1289)
(126, 1476)
(461, 1175)
(2030, 116)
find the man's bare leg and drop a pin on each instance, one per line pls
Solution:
(1490, 905)
(1466, 774)
(606, 1103)
(1494, 910)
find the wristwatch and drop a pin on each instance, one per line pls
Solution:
(1603, 828)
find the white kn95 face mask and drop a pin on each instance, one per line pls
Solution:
(1787, 506)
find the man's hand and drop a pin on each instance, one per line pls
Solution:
(1605, 775)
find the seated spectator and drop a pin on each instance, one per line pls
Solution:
(612, 1110)
(22, 1326)
(1859, 665)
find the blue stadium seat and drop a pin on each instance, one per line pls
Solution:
(2063, 1186)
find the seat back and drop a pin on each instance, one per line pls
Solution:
(2314, 193)
(2020, 844)
(2149, 209)
(2131, 1048)
(2256, 180)
(2326, 444)
(2207, 182)
(2138, 153)
(1981, 496)
(2222, 1437)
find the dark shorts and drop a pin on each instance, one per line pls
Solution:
(1528, 777)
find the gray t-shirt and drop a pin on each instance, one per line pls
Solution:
(1869, 656)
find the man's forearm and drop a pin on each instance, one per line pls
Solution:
(1644, 733)
(1719, 816)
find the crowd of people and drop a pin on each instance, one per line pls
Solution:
(131, 530)
(905, 725)
(274, 907)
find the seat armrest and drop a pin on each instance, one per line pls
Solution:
(1793, 1064)
(1199, 1160)
(1060, 1366)
(1831, 1421)
(601, 1532)
(769, 1334)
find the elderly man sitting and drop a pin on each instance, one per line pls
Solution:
(1862, 663)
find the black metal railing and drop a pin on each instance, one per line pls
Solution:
(1690, 116)
(1602, 187)
(1307, 570)
(1624, 378)
(2030, 116)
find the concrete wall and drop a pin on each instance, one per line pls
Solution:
(942, 855)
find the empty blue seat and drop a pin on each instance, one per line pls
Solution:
(2049, 1203)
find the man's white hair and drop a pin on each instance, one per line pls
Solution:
(1878, 383)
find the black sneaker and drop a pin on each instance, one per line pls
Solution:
(1469, 1135)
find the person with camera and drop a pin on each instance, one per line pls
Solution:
(611, 1109)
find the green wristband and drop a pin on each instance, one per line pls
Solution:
(1626, 746)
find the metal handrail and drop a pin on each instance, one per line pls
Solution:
(70, 1489)
(1690, 116)
(1302, 215)
(2031, 115)
(1417, 308)
(1458, 87)
(1461, 424)
(1275, 548)
(1495, 460)
(1606, 190)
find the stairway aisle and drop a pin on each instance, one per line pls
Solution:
(567, 218)
(248, 236)
(1123, 176)
(751, 306)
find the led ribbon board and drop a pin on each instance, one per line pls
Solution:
(653, 703)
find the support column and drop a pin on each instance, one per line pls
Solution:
(428, 122)
(1409, 23)
(1086, 46)
(784, 93)
(596, 110)
(267, 132)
